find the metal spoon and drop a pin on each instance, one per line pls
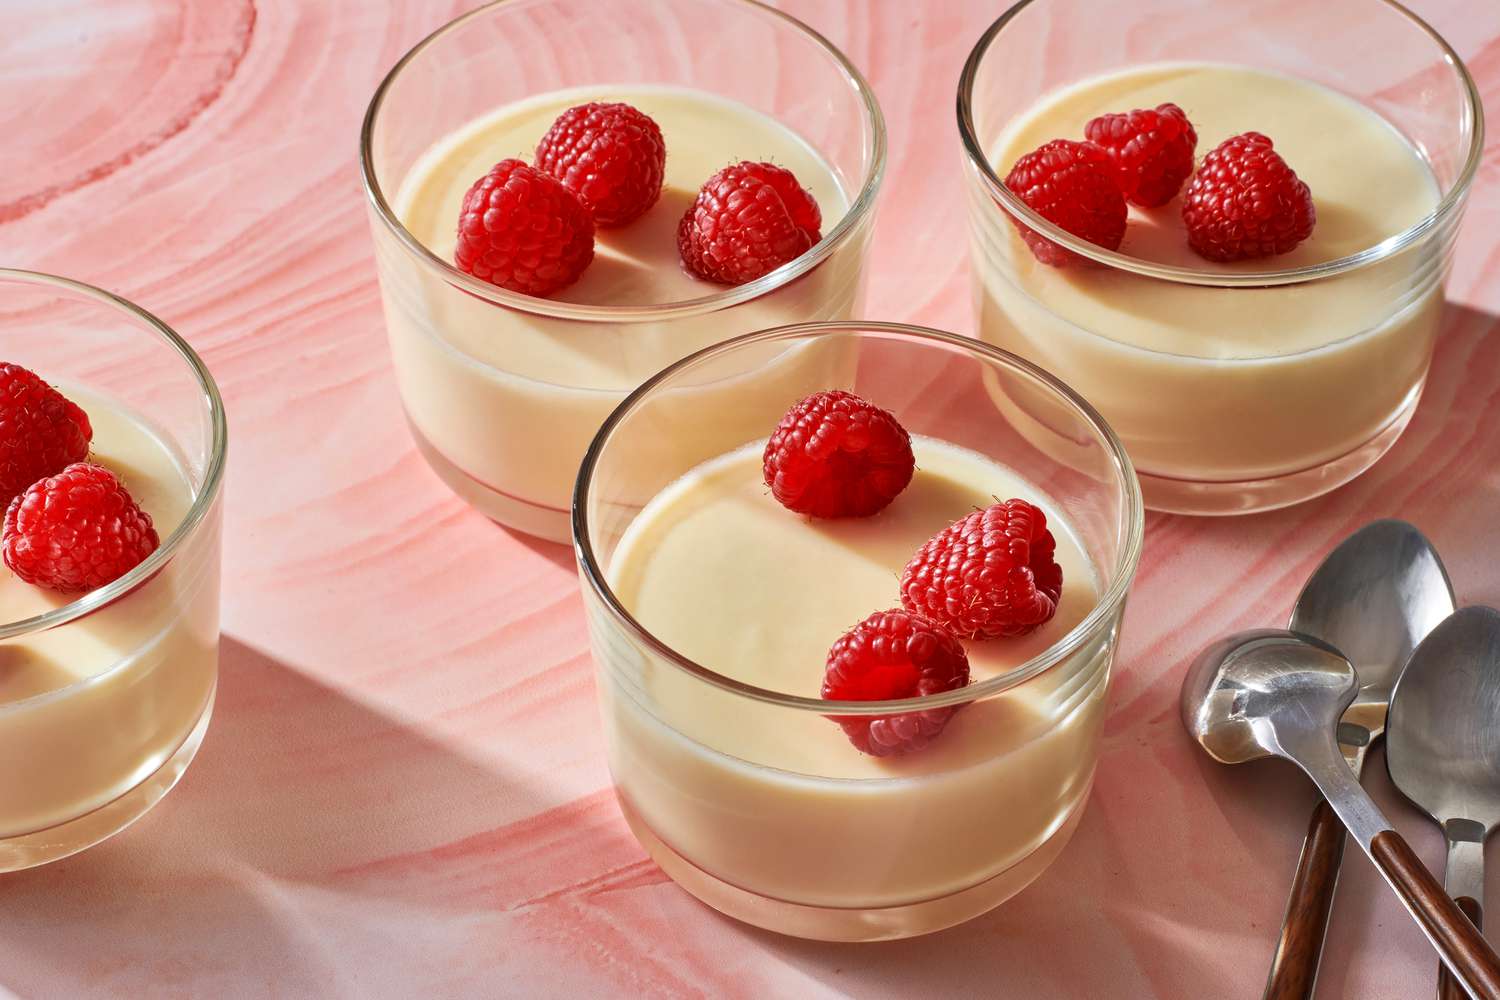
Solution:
(1373, 599)
(1443, 748)
(1271, 693)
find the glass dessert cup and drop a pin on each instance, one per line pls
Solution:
(804, 849)
(1269, 386)
(105, 696)
(503, 391)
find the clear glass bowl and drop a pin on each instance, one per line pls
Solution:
(504, 391)
(105, 698)
(1223, 425)
(797, 849)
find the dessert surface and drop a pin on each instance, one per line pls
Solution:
(727, 577)
(1367, 186)
(636, 264)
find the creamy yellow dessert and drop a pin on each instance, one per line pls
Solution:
(776, 801)
(91, 708)
(504, 401)
(1231, 384)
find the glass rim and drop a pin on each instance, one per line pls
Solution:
(1074, 640)
(1450, 204)
(207, 495)
(860, 208)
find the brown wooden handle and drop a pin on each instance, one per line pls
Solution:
(1294, 970)
(1463, 948)
(1448, 987)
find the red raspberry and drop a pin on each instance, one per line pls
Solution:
(77, 530)
(1152, 151)
(522, 230)
(41, 430)
(1072, 185)
(892, 654)
(610, 155)
(988, 576)
(1245, 202)
(837, 455)
(748, 220)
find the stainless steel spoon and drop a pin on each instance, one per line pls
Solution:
(1373, 599)
(1272, 693)
(1443, 747)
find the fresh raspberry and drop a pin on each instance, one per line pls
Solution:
(837, 455)
(41, 430)
(77, 530)
(610, 155)
(522, 230)
(988, 576)
(1245, 202)
(892, 654)
(1072, 185)
(1152, 151)
(748, 220)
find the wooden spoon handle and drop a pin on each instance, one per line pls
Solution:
(1294, 970)
(1448, 987)
(1463, 949)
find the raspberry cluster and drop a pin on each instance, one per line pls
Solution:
(69, 525)
(531, 228)
(992, 574)
(1244, 202)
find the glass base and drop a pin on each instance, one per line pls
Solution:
(1186, 496)
(67, 839)
(550, 523)
(821, 923)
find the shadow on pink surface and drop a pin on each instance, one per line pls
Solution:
(557, 553)
(300, 799)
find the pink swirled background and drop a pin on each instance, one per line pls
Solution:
(403, 792)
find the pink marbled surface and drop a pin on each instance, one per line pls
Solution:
(403, 792)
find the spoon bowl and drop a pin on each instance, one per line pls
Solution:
(1374, 598)
(1247, 695)
(1444, 736)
